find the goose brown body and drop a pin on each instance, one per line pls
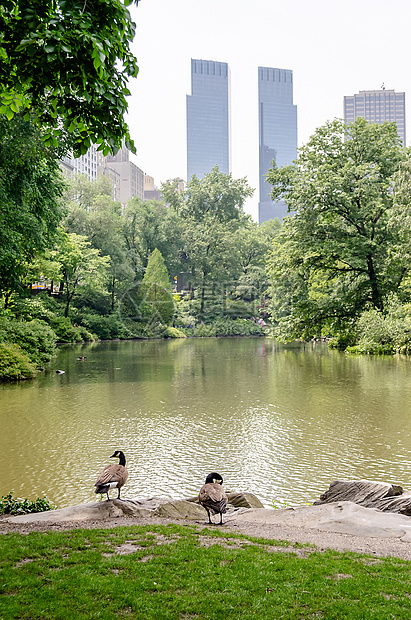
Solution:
(112, 476)
(213, 497)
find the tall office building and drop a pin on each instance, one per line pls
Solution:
(377, 106)
(277, 119)
(208, 118)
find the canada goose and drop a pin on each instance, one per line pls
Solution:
(213, 497)
(113, 475)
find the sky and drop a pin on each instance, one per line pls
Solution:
(333, 47)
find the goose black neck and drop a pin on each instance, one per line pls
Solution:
(122, 459)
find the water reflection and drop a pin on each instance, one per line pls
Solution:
(282, 422)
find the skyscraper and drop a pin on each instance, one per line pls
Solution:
(208, 118)
(277, 120)
(377, 106)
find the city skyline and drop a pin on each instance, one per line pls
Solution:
(331, 48)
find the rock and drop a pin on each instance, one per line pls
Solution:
(244, 500)
(155, 506)
(382, 495)
(86, 512)
(341, 517)
(181, 509)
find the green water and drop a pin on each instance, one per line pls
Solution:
(281, 422)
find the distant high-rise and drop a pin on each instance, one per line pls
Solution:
(377, 106)
(208, 118)
(277, 120)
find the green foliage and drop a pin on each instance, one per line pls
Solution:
(81, 265)
(150, 224)
(204, 331)
(104, 327)
(178, 571)
(384, 333)
(154, 296)
(343, 339)
(65, 331)
(68, 63)
(14, 364)
(10, 505)
(211, 210)
(227, 327)
(31, 187)
(345, 248)
(173, 332)
(35, 338)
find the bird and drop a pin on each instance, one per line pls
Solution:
(112, 476)
(213, 497)
(81, 358)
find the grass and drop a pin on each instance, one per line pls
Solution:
(179, 572)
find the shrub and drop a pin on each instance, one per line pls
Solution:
(35, 338)
(378, 333)
(14, 364)
(104, 327)
(173, 332)
(29, 308)
(65, 331)
(16, 506)
(342, 340)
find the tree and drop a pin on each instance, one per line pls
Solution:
(31, 188)
(250, 246)
(211, 209)
(333, 257)
(151, 301)
(92, 213)
(68, 63)
(81, 265)
(150, 224)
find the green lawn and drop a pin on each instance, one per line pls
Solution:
(180, 572)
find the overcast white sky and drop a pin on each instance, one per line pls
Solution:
(334, 48)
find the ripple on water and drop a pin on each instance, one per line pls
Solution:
(272, 424)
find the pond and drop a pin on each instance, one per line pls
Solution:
(279, 421)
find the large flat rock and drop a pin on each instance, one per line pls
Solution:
(340, 517)
(343, 517)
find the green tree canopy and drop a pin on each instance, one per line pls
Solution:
(151, 301)
(31, 187)
(150, 224)
(81, 266)
(211, 210)
(92, 213)
(333, 257)
(68, 63)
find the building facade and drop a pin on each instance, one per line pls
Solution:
(377, 106)
(277, 122)
(86, 164)
(131, 178)
(209, 118)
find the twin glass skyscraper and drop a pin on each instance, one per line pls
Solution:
(209, 126)
(209, 118)
(277, 123)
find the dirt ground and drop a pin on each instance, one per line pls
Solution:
(319, 539)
